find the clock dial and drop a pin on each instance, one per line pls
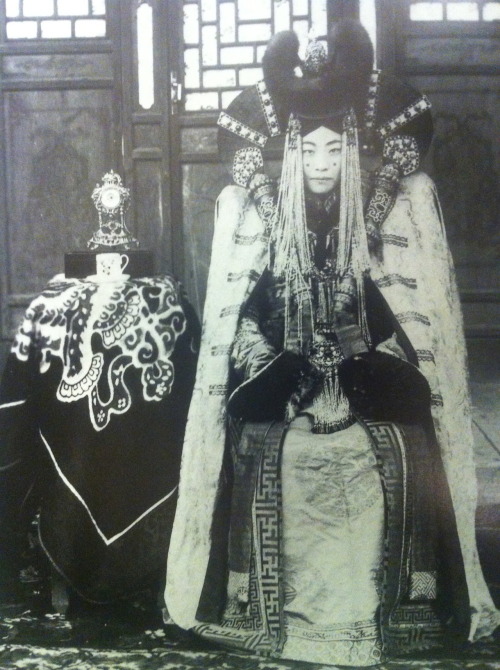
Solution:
(110, 197)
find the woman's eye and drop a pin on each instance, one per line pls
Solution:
(307, 152)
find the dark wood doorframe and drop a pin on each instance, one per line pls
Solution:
(169, 68)
(124, 16)
(151, 136)
(4, 341)
(387, 34)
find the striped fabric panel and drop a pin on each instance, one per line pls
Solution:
(410, 113)
(396, 240)
(404, 317)
(394, 278)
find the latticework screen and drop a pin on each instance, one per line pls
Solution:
(55, 19)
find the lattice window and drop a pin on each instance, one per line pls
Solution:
(55, 19)
(454, 10)
(224, 41)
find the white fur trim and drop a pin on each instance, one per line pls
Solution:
(205, 432)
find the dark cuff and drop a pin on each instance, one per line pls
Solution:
(351, 340)
(382, 387)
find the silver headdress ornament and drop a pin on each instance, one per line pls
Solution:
(111, 200)
(289, 241)
(353, 254)
(315, 56)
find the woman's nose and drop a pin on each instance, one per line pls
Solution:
(321, 163)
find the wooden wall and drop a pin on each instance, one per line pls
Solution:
(457, 64)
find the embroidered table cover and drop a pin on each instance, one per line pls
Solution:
(93, 403)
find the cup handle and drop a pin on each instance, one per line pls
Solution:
(124, 259)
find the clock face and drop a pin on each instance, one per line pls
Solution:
(110, 197)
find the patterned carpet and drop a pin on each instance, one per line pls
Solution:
(131, 636)
(134, 639)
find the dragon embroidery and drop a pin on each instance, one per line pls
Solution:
(99, 331)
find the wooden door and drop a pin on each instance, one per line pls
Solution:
(60, 130)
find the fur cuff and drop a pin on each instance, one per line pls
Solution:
(382, 387)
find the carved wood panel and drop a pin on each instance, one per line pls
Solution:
(58, 147)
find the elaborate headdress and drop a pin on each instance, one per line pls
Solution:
(331, 81)
(393, 119)
(290, 250)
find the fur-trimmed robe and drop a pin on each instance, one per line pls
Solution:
(416, 278)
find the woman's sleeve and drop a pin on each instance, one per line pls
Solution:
(251, 351)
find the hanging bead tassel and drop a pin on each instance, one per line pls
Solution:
(324, 302)
(330, 406)
(298, 291)
(290, 251)
(290, 237)
(353, 255)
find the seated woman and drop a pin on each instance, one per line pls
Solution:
(315, 520)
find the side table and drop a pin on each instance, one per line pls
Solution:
(93, 405)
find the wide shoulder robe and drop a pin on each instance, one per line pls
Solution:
(416, 278)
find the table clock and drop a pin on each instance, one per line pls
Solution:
(111, 200)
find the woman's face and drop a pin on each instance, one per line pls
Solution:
(321, 158)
